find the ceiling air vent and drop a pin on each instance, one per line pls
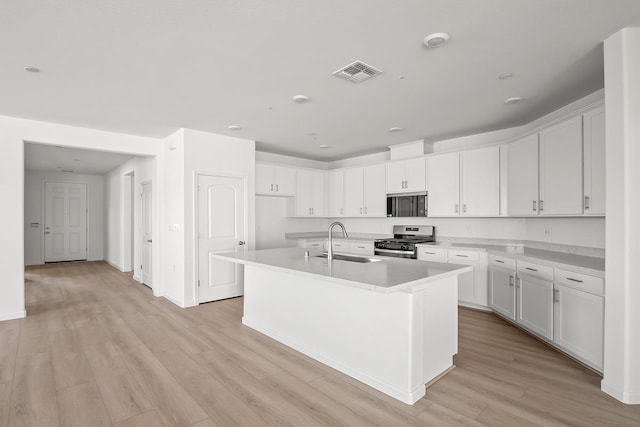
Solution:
(357, 72)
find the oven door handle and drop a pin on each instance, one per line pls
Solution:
(392, 251)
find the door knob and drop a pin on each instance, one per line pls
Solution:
(149, 240)
(241, 242)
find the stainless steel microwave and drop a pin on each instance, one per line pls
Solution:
(407, 204)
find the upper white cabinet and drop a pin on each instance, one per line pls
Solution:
(561, 169)
(335, 193)
(475, 172)
(443, 176)
(275, 180)
(593, 122)
(364, 191)
(406, 175)
(522, 176)
(481, 182)
(309, 193)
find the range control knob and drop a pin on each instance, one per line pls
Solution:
(404, 247)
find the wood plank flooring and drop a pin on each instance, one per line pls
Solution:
(98, 349)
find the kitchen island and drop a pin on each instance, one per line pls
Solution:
(391, 323)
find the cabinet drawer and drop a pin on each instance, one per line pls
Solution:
(536, 270)
(583, 282)
(341, 246)
(315, 244)
(502, 262)
(361, 248)
(430, 253)
(463, 256)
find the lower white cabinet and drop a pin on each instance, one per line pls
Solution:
(472, 285)
(361, 248)
(340, 246)
(502, 289)
(579, 317)
(319, 244)
(535, 304)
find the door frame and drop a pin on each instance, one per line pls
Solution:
(196, 222)
(140, 251)
(44, 213)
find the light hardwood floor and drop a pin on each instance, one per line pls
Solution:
(97, 349)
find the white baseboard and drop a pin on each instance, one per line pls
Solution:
(630, 398)
(15, 315)
(176, 302)
(116, 266)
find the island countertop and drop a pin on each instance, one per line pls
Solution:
(388, 275)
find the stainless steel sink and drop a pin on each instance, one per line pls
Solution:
(352, 258)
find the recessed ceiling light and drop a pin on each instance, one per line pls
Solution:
(513, 100)
(300, 99)
(32, 69)
(504, 76)
(323, 146)
(436, 39)
(395, 129)
(234, 127)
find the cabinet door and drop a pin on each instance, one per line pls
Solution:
(522, 176)
(335, 194)
(264, 179)
(481, 182)
(502, 292)
(535, 305)
(415, 174)
(317, 193)
(444, 185)
(353, 192)
(561, 169)
(396, 177)
(578, 324)
(375, 195)
(284, 180)
(303, 192)
(594, 161)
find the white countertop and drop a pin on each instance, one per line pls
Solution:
(388, 275)
(578, 263)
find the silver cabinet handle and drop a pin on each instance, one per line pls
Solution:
(540, 206)
(500, 261)
(271, 187)
(276, 187)
(149, 240)
(518, 283)
(241, 242)
(511, 281)
(365, 210)
(556, 295)
(360, 247)
(311, 211)
(360, 211)
(531, 269)
(429, 253)
(462, 256)
(457, 208)
(574, 280)
(341, 211)
(464, 208)
(586, 202)
(47, 232)
(534, 206)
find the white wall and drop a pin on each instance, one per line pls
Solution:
(118, 216)
(34, 212)
(13, 133)
(261, 156)
(622, 316)
(584, 231)
(272, 222)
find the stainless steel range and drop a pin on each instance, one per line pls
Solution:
(404, 241)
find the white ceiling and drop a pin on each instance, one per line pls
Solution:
(51, 158)
(149, 67)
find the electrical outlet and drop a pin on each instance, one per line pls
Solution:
(547, 231)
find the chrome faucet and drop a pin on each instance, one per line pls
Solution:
(344, 234)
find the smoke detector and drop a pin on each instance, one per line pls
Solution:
(357, 72)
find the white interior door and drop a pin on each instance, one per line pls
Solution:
(146, 229)
(65, 235)
(221, 228)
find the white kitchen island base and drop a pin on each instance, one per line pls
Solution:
(395, 342)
